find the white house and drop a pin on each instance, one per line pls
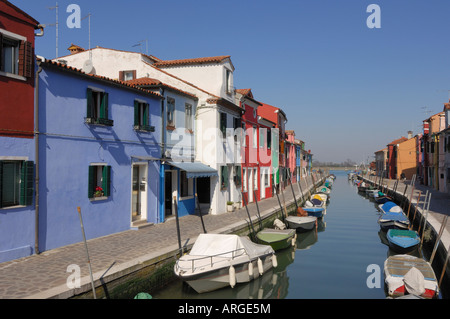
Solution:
(210, 81)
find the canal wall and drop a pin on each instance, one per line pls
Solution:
(153, 271)
(428, 219)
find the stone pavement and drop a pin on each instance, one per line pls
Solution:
(45, 275)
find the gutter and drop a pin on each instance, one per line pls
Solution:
(36, 150)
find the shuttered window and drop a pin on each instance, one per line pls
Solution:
(97, 108)
(223, 177)
(16, 56)
(141, 117)
(223, 124)
(99, 181)
(16, 183)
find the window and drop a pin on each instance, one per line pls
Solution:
(228, 80)
(16, 183)
(97, 108)
(99, 181)
(266, 179)
(127, 75)
(141, 117)
(223, 177)
(244, 135)
(255, 137)
(237, 175)
(16, 54)
(170, 113)
(237, 123)
(223, 124)
(186, 185)
(262, 135)
(188, 117)
(255, 178)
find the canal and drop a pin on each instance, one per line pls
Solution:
(343, 259)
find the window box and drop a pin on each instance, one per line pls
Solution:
(144, 128)
(99, 121)
(99, 182)
(97, 110)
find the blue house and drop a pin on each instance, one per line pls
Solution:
(100, 150)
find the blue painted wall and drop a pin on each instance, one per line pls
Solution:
(69, 146)
(17, 226)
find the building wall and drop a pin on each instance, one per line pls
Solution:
(406, 158)
(69, 146)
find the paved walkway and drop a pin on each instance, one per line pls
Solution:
(45, 275)
(438, 209)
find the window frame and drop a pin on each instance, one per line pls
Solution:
(188, 118)
(24, 56)
(104, 183)
(142, 116)
(24, 177)
(97, 107)
(170, 113)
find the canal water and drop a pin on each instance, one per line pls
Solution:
(343, 259)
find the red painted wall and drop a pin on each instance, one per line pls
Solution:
(17, 96)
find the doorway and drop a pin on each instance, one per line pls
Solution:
(139, 192)
(170, 190)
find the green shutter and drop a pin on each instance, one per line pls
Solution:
(136, 112)
(106, 180)
(89, 103)
(224, 181)
(238, 175)
(26, 186)
(223, 123)
(91, 177)
(104, 107)
(146, 117)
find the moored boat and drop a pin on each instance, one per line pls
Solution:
(393, 220)
(402, 240)
(406, 274)
(277, 238)
(220, 260)
(302, 223)
(390, 207)
(315, 211)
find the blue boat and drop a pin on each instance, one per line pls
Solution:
(314, 211)
(402, 241)
(390, 207)
(393, 221)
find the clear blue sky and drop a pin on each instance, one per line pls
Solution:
(347, 90)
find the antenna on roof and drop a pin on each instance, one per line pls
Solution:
(55, 24)
(139, 44)
(89, 24)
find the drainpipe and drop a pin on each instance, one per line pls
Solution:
(162, 195)
(36, 151)
(40, 27)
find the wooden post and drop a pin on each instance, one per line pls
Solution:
(257, 210)
(415, 209)
(178, 223)
(249, 218)
(410, 199)
(441, 230)
(87, 252)
(200, 212)
(423, 211)
(444, 268)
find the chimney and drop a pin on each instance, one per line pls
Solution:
(410, 134)
(75, 49)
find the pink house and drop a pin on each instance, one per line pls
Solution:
(289, 150)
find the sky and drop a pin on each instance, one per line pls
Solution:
(348, 90)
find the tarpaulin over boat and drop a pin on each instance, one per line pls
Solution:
(391, 207)
(227, 246)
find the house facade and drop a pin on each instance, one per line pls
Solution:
(381, 162)
(99, 149)
(17, 144)
(290, 155)
(406, 164)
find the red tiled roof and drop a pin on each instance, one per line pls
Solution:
(99, 77)
(143, 82)
(397, 141)
(214, 59)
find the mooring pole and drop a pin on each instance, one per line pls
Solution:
(257, 210)
(249, 218)
(200, 212)
(178, 224)
(87, 252)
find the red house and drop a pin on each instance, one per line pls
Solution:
(392, 157)
(16, 71)
(250, 160)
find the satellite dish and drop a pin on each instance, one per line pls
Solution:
(88, 67)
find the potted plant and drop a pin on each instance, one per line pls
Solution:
(230, 206)
(98, 192)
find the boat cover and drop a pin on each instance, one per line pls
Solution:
(316, 201)
(394, 216)
(227, 246)
(414, 281)
(391, 207)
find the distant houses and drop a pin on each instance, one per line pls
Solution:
(129, 138)
(425, 155)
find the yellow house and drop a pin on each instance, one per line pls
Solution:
(406, 157)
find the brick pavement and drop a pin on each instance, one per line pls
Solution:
(45, 275)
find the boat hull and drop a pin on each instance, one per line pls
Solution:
(278, 240)
(315, 211)
(220, 278)
(402, 241)
(302, 224)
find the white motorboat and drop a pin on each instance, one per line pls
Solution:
(220, 260)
